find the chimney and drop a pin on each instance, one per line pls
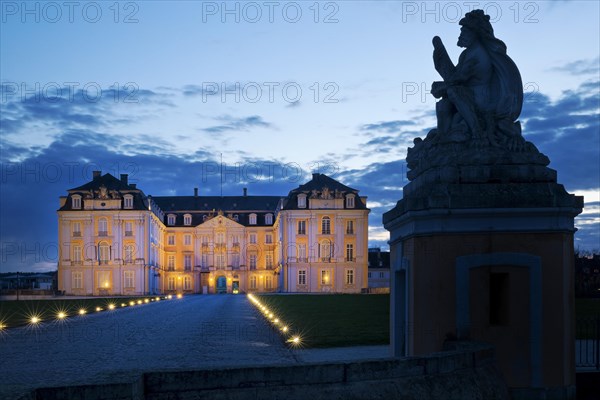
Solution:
(245, 191)
(124, 179)
(96, 174)
(315, 175)
(195, 192)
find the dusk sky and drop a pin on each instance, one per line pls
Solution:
(167, 91)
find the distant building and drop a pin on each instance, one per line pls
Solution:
(117, 240)
(379, 270)
(28, 281)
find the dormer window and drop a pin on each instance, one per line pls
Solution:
(204, 218)
(252, 219)
(187, 219)
(128, 201)
(302, 201)
(268, 219)
(350, 201)
(76, 202)
(171, 219)
(236, 217)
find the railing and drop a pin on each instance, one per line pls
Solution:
(102, 233)
(128, 233)
(350, 259)
(326, 259)
(587, 343)
(77, 234)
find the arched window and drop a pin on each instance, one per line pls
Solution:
(326, 226)
(171, 219)
(268, 219)
(252, 219)
(102, 227)
(128, 201)
(350, 201)
(187, 219)
(103, 253)
(76, 202)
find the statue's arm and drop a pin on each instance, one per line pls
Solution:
(464, 71)
(441, 60)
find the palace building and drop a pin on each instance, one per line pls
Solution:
(115, 240)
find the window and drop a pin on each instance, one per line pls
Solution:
(187, 219)
(499, 300)
(350, 201)
(268, 238)
(325, 250)
(324, 277)
(170, 219)
(128, 201)
(128, 229)
(129, 279)
(220, 238)
(349, 277)
(171, 283)
(349, 252)
(268, 282)
(302, 277)
(235, 240)
(77, 280)
(302, 253)
(171, 240)
(187, 262)
(103, 279)
(253, 282)
(269, 260)
(252, 219)
(382, 275)
(350, 227)
(235, 260)
(103, 253)
(187, 283)
(252, 261)
(301, 227)
(220, 261)
(205, 260)
(129, 253)
(77, 229)
(102, 227)
(76, 202)
(253, 238)
(268, 219)
(326, 226)
(187, 239)
(301, 201)
(77, 254)
(171, 263)
(369, 275)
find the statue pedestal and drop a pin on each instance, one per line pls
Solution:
(484, 251)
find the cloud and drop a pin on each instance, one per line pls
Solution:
(388, 126)
(238, 124)
(581, 67)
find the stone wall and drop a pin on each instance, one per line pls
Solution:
(468, 373)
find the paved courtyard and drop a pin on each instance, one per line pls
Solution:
(190, 333)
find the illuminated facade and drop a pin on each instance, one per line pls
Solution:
(115, 240)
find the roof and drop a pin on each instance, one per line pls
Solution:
(107, 180)
(314, 188)
(379, 259)
(201, 207)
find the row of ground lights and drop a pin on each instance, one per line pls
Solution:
(36, 319)
(281, 326)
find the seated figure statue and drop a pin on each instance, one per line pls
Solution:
(481, 96)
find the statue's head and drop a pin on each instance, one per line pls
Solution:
(475, 26)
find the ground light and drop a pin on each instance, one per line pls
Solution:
(61, 315)
(34, 320)
(82, 311)
(292, 339)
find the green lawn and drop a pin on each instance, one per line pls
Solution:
(15, 313)
(334, 320)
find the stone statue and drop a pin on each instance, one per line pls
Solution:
(482, 95)
(480, 98)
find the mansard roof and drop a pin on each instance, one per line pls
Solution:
(106, 180)
(224, 203)
(315, 189)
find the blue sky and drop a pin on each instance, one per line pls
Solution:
(276, 90)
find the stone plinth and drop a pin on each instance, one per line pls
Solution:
(482, 249)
